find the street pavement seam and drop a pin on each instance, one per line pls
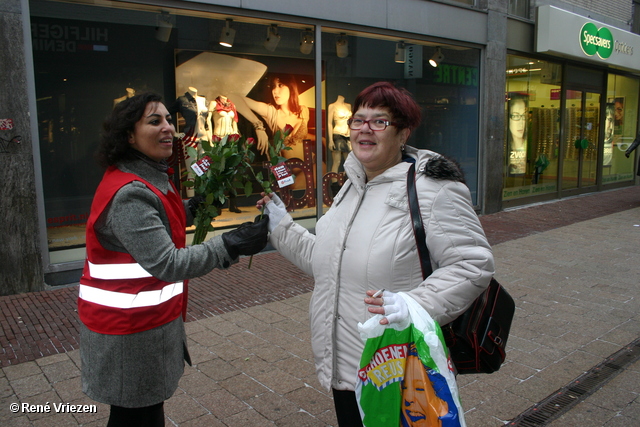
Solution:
(564, 399)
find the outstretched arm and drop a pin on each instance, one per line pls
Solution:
(246, 107)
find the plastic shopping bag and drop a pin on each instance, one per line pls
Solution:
(405, 377)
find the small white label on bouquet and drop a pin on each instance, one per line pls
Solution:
(201, 166)
(283, 174)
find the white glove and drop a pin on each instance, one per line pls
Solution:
(276, 211)
(395, 307)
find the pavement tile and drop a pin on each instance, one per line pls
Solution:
(222, 404)
(69, 390)
(304, 419)
(584, 415)
(310, 400)
(22, 370)
(196, 384)
(60, 371)
(207, 420)
(280, 381)
(272, 406)
(30, 386)
(250, 417)
(217, 369)
(199, 353)
(182, 407)
(296, 367)
(244, 387)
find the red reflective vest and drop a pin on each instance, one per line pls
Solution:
(117, 296)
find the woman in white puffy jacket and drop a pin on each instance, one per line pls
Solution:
(365, 241)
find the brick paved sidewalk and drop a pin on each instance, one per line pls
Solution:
(40, 324)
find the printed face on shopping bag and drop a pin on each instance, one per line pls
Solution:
(420, 405)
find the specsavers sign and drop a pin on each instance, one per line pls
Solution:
(563, 33)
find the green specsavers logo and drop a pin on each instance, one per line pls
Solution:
(594, 40)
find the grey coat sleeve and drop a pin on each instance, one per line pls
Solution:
(136, 223)
(461, 257)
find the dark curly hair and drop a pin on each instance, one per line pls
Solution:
(114, 144)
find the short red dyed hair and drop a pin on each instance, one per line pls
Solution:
(401, 104)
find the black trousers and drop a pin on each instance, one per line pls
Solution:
(347, 409)
(149, 416)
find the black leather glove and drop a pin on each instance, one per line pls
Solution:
(248, 239)
(193, 204)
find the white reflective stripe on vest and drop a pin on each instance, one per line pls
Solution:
(124, 300)
(117, 271)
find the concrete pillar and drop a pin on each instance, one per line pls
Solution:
(21, 266)
(493, 106)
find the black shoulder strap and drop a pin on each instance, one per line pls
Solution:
(416, 221)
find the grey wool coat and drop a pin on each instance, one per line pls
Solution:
(143, 369)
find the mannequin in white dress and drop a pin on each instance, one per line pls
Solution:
(338, 114)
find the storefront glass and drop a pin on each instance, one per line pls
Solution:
(621, 127)
(532, 111)
(89, 57)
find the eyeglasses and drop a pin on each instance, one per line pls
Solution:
(517, 117)
(374, 124)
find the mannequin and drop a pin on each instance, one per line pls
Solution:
(193, 109)
(223, 116)
(338, 114)
(223, 121)
(130, 93)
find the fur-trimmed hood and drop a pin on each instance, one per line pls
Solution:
(430, 163)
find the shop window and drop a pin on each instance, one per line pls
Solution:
(88, 57)
(532, 112)
(448, 94)
(621, 128)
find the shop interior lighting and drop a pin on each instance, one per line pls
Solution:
(342, 46)
(306, 42)
(164, 25)
(401, 53)
(228, 34)
(273, 38)
(437, 58)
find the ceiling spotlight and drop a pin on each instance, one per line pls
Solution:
(164, 24)
(272, 38)
(228, 34)
(342, 46)
(437, 58)
(306, 42)
(401, 53)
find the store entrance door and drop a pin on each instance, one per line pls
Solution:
(581, 141)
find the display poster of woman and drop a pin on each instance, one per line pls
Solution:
(619, 109)
(282, 109)
(609, 137)
(517, 135)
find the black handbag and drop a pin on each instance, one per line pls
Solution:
(478, 338)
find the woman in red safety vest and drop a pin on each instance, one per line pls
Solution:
(133, 291)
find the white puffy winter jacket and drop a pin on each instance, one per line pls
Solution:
(365, 241)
